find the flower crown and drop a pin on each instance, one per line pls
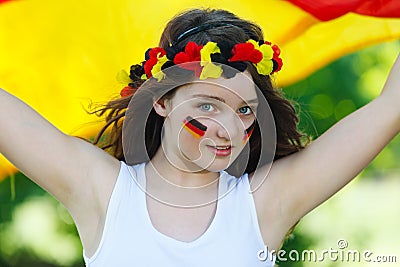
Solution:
(202, 59)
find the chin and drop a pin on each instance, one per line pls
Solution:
(217, 165)
(214, 163)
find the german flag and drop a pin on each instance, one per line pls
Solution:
(248, 132)
(194, 127)
(331, 9)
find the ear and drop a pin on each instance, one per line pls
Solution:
(160, 107)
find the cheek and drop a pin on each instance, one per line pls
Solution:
(190, 133)
(248, 132)
(189, 145)
(194, 127)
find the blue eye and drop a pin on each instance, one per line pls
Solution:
(206, 107)
(245, 110)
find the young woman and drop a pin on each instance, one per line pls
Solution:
(206, 166)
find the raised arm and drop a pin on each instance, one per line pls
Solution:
(337, 156)
(302, 181)
(67, 167)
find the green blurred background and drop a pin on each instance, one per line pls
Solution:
(35, 230)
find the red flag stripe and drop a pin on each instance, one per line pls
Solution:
(193, 132)
(386, 9)
(187, 123)
(331, 9)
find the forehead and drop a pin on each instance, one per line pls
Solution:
(236, 89)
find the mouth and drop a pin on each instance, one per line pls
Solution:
(222, 151)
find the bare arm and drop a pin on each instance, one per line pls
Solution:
(300, 182)
(69, 168)
(336, 157)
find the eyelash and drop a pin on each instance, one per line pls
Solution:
(248, 109)
(212, 106)
(204, 104)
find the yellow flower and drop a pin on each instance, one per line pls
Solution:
(123, 77)
(265, 66)
(207, 50)
(156, 70)
(210, 70)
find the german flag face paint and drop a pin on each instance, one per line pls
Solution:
(193, 126)
(248, 132)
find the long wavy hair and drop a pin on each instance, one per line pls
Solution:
(234, 30)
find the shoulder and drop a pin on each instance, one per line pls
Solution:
(266, 184)
(91, 210)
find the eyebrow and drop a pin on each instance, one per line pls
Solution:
(254, 101)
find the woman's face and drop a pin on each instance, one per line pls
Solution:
(207, 123)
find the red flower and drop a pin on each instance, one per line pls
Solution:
(277, 51)
(280, 63)
(154, 54)
(191, 54)
(276, 57)
(245, 52)
(127, 91)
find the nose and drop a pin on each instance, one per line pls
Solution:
(229, 127)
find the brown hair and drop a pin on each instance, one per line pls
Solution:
(232, 30)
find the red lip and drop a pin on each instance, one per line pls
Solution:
(220, 152)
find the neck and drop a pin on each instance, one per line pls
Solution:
(184, 174)
(179, 187)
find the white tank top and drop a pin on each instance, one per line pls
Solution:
(129, 238)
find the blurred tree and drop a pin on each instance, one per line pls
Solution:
(340, 88)
(331, 93)
(35, 230)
